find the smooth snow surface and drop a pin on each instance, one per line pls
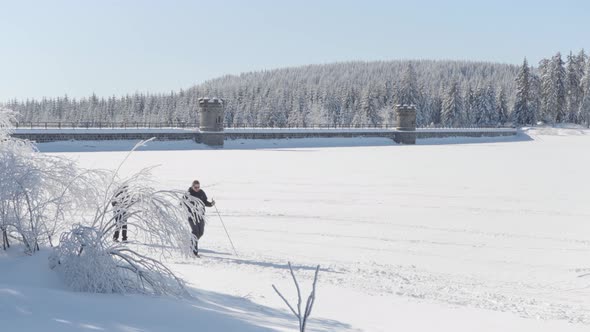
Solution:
(490, 236)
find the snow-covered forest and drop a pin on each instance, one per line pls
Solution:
(449, 93)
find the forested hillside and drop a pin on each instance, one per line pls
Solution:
(449, 93)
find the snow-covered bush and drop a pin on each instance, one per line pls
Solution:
(39, 194)
(89, 260)
(43, 195)
(7, 120)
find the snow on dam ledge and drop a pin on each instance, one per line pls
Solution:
(399, 136)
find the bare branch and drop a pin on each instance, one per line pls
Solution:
(302, 319)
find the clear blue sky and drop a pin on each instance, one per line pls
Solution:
(113, 47)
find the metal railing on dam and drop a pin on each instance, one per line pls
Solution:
(187, 125)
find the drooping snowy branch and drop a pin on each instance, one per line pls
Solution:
(90, 263)
(39, 194)
(89, 260)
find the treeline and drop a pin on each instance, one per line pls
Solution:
(449, 93)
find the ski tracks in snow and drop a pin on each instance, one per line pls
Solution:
(564, 297)
(527, 300)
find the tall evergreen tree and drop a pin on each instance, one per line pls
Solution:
(521, 114)
(574, 73)
(486, 107)
(501, 107)
(584, 112)
(544, 93)
(554, 85)
(409, 93)
(452, 107)
(369, 114)
(470, 106)
(437, 104)
(534, 96)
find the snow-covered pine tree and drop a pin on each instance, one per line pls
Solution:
(368, 114)
(470, 106)
(408, 90)
(433, 107)
(492, 115)
(452, 107)
(553, 84)
(501, 107)
(584, 112)
(558, 68)
(521, 111)
(534, 106)
(545, 112)
(437, 106)
(573, 88)
(299, 114)
(485, 106)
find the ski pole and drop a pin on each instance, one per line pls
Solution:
(230, 241)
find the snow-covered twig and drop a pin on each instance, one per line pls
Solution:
(301, 317)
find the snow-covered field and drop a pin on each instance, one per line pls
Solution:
(473, 235)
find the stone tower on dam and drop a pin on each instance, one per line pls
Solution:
(211, 121)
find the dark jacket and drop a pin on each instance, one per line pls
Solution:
(200, 195)
(122, 199)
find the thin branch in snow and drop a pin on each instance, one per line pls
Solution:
(301, 317)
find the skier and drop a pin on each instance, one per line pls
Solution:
(121, 203)
(196, 217)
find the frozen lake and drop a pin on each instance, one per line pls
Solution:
(488, 236)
